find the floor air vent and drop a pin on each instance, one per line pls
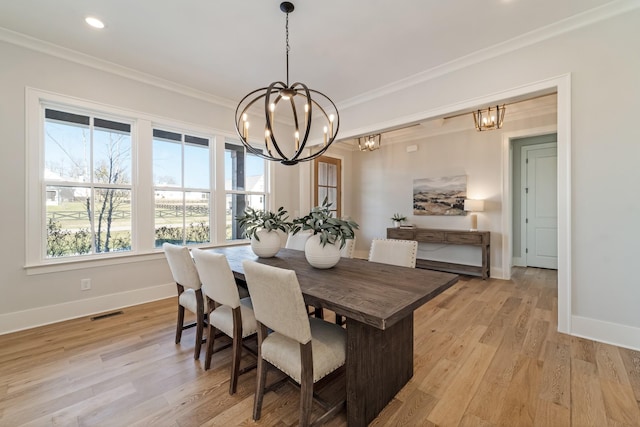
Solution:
(104, 316)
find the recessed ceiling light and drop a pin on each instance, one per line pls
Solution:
(94, 22)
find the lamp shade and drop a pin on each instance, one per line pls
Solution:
(473, 205)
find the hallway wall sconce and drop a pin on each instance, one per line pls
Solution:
(370, 143)
(490, 118)
(474, 206)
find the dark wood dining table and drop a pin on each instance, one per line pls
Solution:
(378, 301)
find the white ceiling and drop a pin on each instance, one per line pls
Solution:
(349, 49)
(226, 48)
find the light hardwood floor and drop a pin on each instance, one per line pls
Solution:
(486, 354)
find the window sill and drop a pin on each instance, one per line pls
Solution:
(59, 265)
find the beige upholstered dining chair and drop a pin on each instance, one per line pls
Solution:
(189, 291)
(297, 241)
(394, 252)
(347, 250)
(306, 349)
(226, 311)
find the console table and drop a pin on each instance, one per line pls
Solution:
(451, 237)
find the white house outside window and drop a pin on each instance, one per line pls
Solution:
(88, 188)
(245, 186)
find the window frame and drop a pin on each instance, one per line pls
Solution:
(265, 193)
(184, 135)
(92, 184)
(142, 220)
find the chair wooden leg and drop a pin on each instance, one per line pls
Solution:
(237, 349)
(199, 323)
(211, 335)
(261, 374)
(306, 384)
(179, 324)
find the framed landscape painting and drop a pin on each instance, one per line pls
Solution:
(440, 196)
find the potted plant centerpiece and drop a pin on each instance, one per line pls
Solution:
(398, 219)
(330, 234)
(262, 228)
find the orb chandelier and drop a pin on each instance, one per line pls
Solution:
(290, 116)
(489, 119)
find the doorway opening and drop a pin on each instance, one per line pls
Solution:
(534, 201)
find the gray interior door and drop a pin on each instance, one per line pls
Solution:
(541, 205)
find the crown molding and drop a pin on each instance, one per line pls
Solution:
(51, 49)
(563, 26)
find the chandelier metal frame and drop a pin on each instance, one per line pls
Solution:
(485, 120)
(279, 92)
(370, 143)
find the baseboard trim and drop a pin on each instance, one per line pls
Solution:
(26, 319)
(606, 332)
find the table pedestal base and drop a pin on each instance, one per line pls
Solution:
(379, 363)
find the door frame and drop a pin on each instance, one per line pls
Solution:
(339, 162)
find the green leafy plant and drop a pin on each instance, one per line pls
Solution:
(254, 220)
(321, 221)
(398, 217)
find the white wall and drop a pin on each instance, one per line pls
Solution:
(29, 300)
(605, 101)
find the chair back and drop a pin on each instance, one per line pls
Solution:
(182, 267)
(347, 250)
(217, 279)
(277, 300)
(297, 241)
(394, 252)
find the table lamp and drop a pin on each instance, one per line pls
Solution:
(474, 206)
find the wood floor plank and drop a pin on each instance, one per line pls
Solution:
(619, 402)
(586, 396)
(414, 410)
(610, 364)
(450, 408)
(631, 360)
(555, 383)
(518, 408)
(486, 353)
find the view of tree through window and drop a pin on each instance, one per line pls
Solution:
(107, 183)
(87, 175)
(182, 188)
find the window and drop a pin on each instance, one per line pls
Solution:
(327, 172)
(244, 185)
(105, 183)
(182, 188)
(87, 177)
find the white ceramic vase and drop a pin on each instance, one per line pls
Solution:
(268, 245)
(319, 256)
